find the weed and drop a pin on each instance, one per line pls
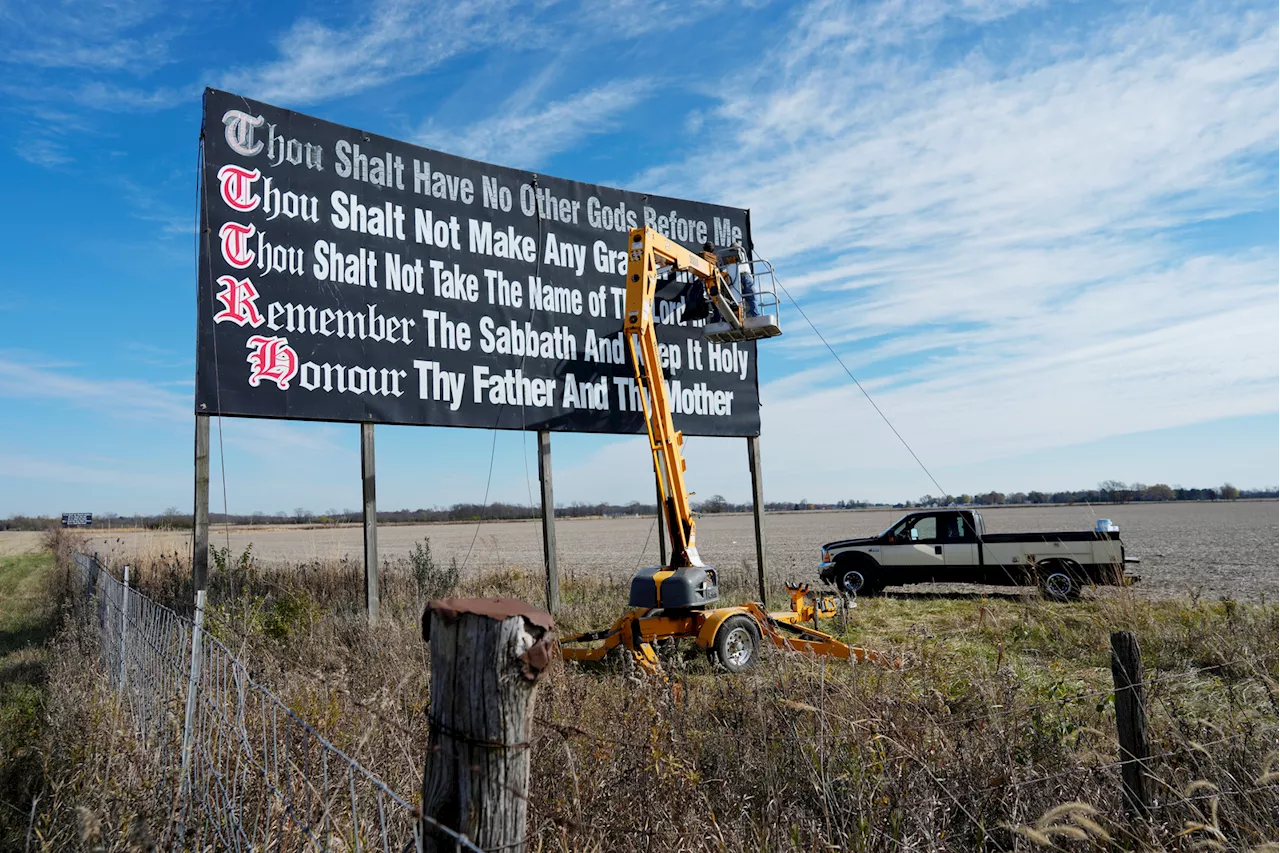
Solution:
(28, 620)
(432, 579)
(237, 574)
(287, 614)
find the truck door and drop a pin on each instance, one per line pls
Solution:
(916, 552)
(959, 540)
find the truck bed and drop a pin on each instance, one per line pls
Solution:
(1051, 536)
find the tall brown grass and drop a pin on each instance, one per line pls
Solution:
(999, 734)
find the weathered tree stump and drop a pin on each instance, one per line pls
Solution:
(487, 655)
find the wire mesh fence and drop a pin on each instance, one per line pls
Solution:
(240, 769)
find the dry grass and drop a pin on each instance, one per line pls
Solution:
(28, 619)
(998, 735)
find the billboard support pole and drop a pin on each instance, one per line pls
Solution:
(548, 521)
(368, 477)
(757, 509)
(200, 516)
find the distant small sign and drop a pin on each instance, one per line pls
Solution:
(77, 519)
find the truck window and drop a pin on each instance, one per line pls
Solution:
(955, 528)
(925, 529)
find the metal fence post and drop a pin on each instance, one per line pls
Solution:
(124, 626)
(193, 680)
(101, 589)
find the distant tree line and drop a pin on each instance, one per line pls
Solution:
(1109, 491)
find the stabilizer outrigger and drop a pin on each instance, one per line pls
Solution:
(730, 635)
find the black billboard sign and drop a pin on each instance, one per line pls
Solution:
(77, 519)
(345, 276)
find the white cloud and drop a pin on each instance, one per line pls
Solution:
(84, 35)
(30, 377)
(42, 151)
(110, 97)
(397, 39)
(527, 129)
(993, 239)
(62, 60)
(632, 18)
(34, 468)
(38, 379)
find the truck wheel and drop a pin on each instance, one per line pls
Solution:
(858, 580)
(1058, 583)
(737, 643)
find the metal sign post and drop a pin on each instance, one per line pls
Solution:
(200, 520)
(368, 478)
(757, 510)
(548, 521)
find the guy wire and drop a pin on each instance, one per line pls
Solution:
(494, 446)
(838, 359)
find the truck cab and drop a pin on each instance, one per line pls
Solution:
(933, 538)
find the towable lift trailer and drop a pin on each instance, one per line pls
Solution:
(676, 601)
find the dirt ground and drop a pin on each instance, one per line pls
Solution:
(1213, 549)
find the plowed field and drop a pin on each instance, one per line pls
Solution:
(1213, 549)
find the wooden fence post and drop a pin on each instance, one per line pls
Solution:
(486, 657)
(1131, 723)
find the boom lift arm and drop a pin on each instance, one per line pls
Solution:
(675, 601)
(648, 252)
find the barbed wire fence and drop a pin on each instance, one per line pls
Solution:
(241, 769)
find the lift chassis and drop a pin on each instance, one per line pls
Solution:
(676, 601)
(730, 635)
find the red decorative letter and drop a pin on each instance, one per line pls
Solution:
(235, 244)
(272, 359)
(237, 187)
(239, 298)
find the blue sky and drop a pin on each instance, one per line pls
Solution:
(1044, 236)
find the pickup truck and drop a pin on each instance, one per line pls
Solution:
(952, 546)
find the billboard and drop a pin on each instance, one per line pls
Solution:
(345, 276)
(77, 519)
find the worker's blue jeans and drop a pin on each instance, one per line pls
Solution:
(747, 284)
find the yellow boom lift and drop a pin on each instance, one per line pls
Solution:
(676, 601)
